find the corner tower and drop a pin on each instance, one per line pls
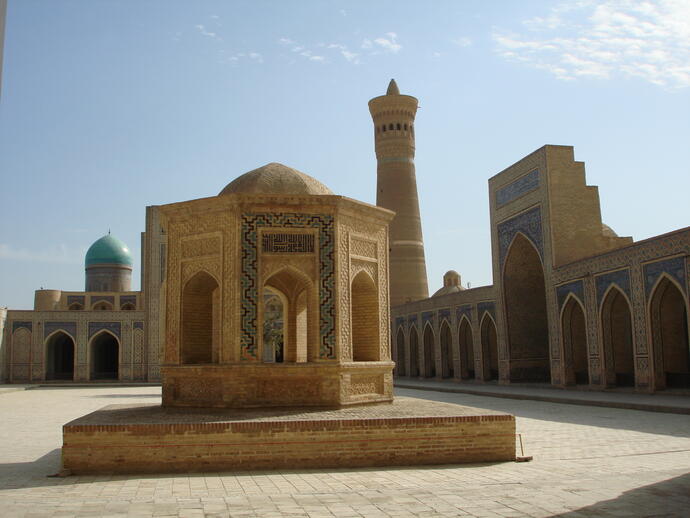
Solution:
(393, 115)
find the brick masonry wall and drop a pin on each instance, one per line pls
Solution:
(197, 447)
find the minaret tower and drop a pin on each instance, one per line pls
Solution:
(396, 189)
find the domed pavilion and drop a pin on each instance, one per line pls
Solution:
(276, 295)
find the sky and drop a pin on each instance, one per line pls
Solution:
(108, 106)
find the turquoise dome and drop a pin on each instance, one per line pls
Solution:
(108, 250)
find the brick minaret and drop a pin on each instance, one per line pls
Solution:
(393, 116)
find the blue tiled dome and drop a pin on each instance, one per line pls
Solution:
(108, 250)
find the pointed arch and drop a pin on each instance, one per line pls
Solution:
(615, 316)
(446, 339)
(668, 312)
(574, 339)
(414, 351)
(429, 351)
(365, 318)
(75, 306)
(400, 366)
(59, 356)
(104, 356)
(489, 341)
(524, 292)
(102, 305)
(466, 348)
(200, 319)
(297, 291)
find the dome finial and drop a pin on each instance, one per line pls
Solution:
(393, 88)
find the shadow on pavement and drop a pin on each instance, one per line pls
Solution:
(669, 498)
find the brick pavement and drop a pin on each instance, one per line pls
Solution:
(588, 461)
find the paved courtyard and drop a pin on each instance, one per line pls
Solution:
(588, 461)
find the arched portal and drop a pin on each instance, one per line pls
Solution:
(400, 350)
(466, 349)
(365, 319)
(669, 319)
(274, 326)
(200, 320)
(616, 327)
(489, 348)
(60, 357)
(574, 334)
(447, 370)
(414, 352)
(295, 291)
(105, 357)
(525, 307)
(429, 352)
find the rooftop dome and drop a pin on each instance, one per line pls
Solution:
(608, 231)
(451, 284)
(108, 250)
(275, 178)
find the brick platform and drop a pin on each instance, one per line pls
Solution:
(153, 439)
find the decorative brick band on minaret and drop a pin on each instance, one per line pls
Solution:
(393, 116)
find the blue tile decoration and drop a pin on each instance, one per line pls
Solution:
(619, 277)
(249, 279)
(465, 310)
(529, 223)
(113, 327)
(68, 327)
(444, 313)
(399, 322)
(577, 288)
(138, 325)
(412, 319)
(489, 307)
(428, 316)
(128, 299)
(98, 298)
(22, 323)
(517, 188)
(674, 267)
(71, 299)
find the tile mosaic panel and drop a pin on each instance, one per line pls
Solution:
(21, 323)
(99, 298)
(529, 223)
(71, 299)
(486, 306)
(674, 267)
(412, 319)
(619, 277)
(513, 190)
(128, 299)
(399, 322)
(444, 313)
(249, 279)
(287, 243)
(465, 310)
(113, 327)
(577, 288)
(428, 316)
(68, 327)
(137, 325)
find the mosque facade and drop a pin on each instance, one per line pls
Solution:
(572, 303)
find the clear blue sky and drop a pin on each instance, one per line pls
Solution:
(111, 105)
